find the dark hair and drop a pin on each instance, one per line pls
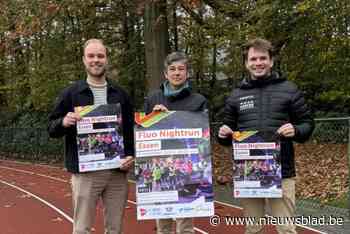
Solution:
(176, 57)
(259, 44)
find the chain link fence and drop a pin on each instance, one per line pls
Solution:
(322, 162)
(30, 144)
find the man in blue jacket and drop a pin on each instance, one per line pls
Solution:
(265, 101)
(109, 185)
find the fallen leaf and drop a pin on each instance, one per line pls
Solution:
(58, 219)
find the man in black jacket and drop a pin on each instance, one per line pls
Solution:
(175, 94)
(265, 101)
(109, 185)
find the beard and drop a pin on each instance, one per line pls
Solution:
(98, 73)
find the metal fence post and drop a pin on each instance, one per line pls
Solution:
(38, 139)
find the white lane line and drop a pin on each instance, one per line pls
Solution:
(40, 199)
(33, 173)
(65, 181)
(228, 204)
(133, 202)
(200, 230)
(45, 176)
(30, 163)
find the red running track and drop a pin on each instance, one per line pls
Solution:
(36, 199)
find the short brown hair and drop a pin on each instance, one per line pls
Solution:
(259, 44)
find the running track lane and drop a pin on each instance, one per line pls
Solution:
(18, 207)
(51, 184)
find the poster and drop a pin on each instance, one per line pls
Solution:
(99, 137)
(173, 165)
(256, 167)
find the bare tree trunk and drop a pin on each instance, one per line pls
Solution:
(176, 39)
(156, 41)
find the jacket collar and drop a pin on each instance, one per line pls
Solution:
(83, 85)
(182, 94)
(249, 83)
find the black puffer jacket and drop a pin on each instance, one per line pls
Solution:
(186, 100)
(265, 105)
